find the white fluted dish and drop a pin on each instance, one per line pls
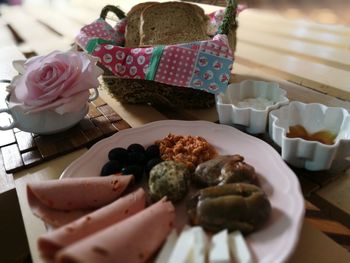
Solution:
(314, 117)
(232, 111)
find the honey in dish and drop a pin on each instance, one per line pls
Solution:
(298, 131)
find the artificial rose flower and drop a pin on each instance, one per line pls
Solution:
(59, 81)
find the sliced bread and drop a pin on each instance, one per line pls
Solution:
(172, 23)
(132, 30)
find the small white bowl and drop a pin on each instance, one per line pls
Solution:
(45, 121)
(314, 117)
(233, 109)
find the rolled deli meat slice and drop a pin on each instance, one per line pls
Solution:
(58, 202)
(135, 239)
(50, 243)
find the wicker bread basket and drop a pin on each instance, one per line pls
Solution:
(136, 91)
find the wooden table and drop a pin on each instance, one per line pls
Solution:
(310, 61)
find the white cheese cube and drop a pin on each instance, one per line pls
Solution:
(183, 247)
(239, 249)
(219, 250)
(200, 245)
(167, 248)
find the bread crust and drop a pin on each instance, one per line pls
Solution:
(132, 30)
(172, 23)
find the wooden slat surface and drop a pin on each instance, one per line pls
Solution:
(329, 56)
(276, 18)
(249, 21)
(7, 55)
(6, 37)
(6, 180)
(332, 229)
(66, 27)
(296, 53)
(329, 80)
(334, 198)
(22, 149)
(42, 40)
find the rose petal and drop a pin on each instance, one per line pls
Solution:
(64, 105)
(48, 81)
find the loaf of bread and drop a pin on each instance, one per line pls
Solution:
(132, 30)
(172, 23)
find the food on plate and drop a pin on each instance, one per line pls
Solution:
(51, 242)
(118, 154)
(239, 249)
(57, 201)
(298, 131)
(241, 206)
(135, 239)
(229, 248)
(224, 169)
(170, 179)
(136, 154)
(191, 246)
(189, 150)
(165, 252)
(135, 170)
(219, 249)
(134, 160)
(126, 230)
(151, 163)
(152, 151)
(136, 147)
(194, 245)
(110, 168)
(172, 23)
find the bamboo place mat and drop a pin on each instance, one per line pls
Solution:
(21, 149)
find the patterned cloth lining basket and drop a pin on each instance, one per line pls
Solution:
(133, 84)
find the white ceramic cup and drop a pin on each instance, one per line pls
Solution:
(46, 121)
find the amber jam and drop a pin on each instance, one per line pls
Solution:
(298, 131)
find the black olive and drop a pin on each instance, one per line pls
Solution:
(135, 170)
(152, 151)
(151, 163)
(111, 167)
(118, 154)
(136, 147)
(136, 158)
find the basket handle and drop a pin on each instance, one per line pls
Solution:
(114, 9)
(229, 20)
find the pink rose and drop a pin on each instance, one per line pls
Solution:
(59, 81)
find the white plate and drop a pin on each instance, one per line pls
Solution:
(275, 242)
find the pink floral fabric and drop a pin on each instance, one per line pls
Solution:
(125, 62)
(176, 66)
(98, 29)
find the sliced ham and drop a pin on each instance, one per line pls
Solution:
(57, 218)
(50, 243)
(58, 202)
(135, 239)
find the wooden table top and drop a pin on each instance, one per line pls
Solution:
(310, 61)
